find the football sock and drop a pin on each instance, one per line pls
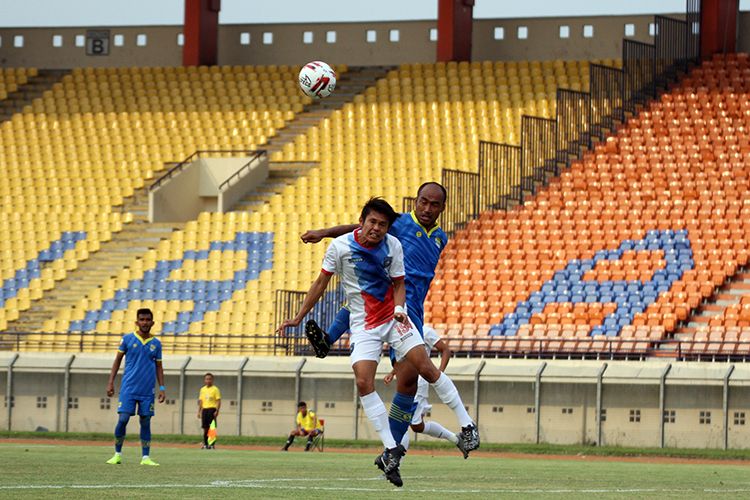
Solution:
(289, 441)
(205, 436)
(436, 430)
(122, 424)
(145, 435)
(405, 441)
(448, 394)
(399, 418)
(375, 410)
(339, 326)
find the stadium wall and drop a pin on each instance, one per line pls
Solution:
(553, 401)
(375, 43)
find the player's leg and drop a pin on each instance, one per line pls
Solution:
(145, 412)
(444, 387)
(436, 430)
(366, 349)
(290, 439)
(400, 414)
(321, 341)
(310, 438)
(125, 409)
(206, 415)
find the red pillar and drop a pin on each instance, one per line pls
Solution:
(718, 26)
(201, 32)
(454, 30)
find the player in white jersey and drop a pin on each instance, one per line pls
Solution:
(370, 263)
(421, 402)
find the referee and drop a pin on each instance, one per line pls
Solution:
(209, 403)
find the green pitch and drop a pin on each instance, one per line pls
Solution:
(52, 471)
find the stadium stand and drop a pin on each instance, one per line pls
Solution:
(73, 156)
(627, 243)
(386, 114)
(11, 78)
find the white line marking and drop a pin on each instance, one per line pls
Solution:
(273, 483)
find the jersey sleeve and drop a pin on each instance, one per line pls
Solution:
(218, 394)
(123, 346)
(158, 352)
(299, 419)
(331, 259)
(200, 395)
(396, 269)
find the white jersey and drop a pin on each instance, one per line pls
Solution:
(367, 275)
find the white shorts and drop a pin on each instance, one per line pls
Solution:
(367, 345)
(423, 406)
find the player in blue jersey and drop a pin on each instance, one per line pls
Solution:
(423, 241)
(143, 368)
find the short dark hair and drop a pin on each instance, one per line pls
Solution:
(144, 311)
(380, 206)
(301, 404)
(433, 183)
(208, 374)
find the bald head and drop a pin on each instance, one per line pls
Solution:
(430, 203)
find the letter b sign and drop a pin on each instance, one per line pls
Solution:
(97, 43)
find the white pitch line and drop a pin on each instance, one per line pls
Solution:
(273, 483)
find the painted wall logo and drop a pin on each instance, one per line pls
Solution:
(630, 297)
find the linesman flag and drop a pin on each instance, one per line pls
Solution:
(212, 433)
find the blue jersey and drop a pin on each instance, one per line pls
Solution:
(139, 377)
(422, 250)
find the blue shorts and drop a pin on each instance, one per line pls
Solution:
(128, 401)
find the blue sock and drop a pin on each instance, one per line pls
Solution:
(399, 418)
(339, 326)
(145, 435)
(122, 424)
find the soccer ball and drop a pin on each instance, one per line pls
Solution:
(317, 79)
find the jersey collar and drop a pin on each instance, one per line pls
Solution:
(144, 342)
(416, 221)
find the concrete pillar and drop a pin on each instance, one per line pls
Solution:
(454, 30)
(201, 32)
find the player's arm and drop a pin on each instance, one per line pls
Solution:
(200, 406)
(316, 291)
(445, 354)
(160, 380)
(113, 373)
(218, 407)
(316, 235)
(399, 299)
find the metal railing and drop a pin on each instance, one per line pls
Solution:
(228, 344)
(254, 156)
(499, 175)
(573, 118)
(198, 154)
(639, 72)
(463, 189)
(538, 136)
(295, 344)
(605, 87)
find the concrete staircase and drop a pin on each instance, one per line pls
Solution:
(351, 83)
(728, 295)
(33, 89)
(133, 241)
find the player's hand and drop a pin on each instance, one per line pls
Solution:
(216, 413)
(388, 378)
(110, 390)
(312, 236)
(162, 396)
(400, 317)
(286, 324)
(199, 415)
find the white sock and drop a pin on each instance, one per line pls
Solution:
(119, 454)
(376, 413)
(436, 430)
(405, 440)
(144, 457)
(448, 394)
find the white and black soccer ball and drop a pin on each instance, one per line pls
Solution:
(317, 79)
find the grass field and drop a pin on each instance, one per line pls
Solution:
(54, 469)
